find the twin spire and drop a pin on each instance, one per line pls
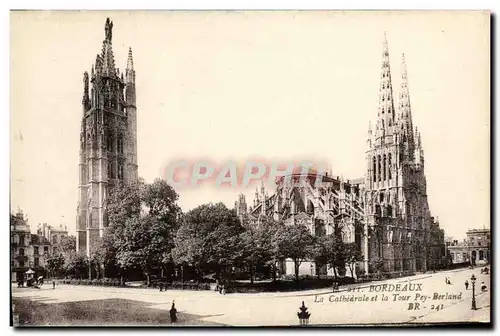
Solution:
(387, 117)
(388, 122)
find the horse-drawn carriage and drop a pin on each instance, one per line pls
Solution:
(28, 280)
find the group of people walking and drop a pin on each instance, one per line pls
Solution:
(483, 286)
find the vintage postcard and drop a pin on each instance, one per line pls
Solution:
(250, 168)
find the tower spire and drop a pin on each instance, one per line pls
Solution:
(130, 79)
(129, 71)
(130, 60)
(405, 106)
(386, 115)
(107, 50)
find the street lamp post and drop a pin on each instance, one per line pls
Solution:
(473, 280)
(303, 315)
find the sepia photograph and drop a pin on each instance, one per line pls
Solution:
(250, 168)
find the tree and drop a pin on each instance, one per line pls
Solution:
(143, 219)
(55, 265)
(377, 265)
(208, 238)
(123, 201)
(331, 250)
(253, 251)
(98, 257)
(68, 244)
(258, 249)
(353, 255)
(160, 199)
(142, 244)
(295, 242)
(77, 266)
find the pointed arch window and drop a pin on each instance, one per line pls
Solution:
(111, 170)
(389, 165)
(374, 169)
(120, 143)
(384, 168)
(120, 171)
(379, 168)
(109, 142)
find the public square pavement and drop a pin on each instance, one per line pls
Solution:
(85, 305)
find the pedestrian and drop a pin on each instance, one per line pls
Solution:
(53, 284)
(335, 286)
(221, 287)
(173, 313)
(466, 284)
(161, 286)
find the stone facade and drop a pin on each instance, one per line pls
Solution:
(320, 202)
(475, 249)
(108, 139)
(53, 235)
(27, 250)
(398, 220)
(386, 213)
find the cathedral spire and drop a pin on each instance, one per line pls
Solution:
(404, 96)
(404, 105)
(418, 140)
(386, 115)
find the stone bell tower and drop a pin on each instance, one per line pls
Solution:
(108, 139)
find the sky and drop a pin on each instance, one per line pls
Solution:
(239, 85)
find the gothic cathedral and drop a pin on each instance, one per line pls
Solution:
(108, 139)
(385, 214)
(398, 222)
